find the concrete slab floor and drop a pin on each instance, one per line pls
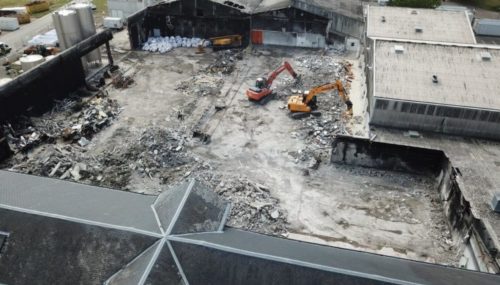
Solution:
(477, 160)
(390, 213)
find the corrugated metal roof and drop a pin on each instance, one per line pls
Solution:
(464, 77)
(437, 26)
(77, 201)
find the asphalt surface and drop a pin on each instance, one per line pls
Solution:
(17, 39)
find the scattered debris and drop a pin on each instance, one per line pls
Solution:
(225, 61)
(253, 207)
(201, 85)
(122, 81)
(74, 119)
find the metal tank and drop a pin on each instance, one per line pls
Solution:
(69, 27)
(87, 26)
(30, 61)
(59, 31)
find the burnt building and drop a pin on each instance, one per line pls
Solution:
(284, 22)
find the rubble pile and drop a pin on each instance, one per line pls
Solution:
(321, 64)
(122, 81)
(225, 61)
(166, 44)
(96, 114)
(159, 149)
(74, 119)
(253, 207)
(201, 85)
(318, 132)
(155, 152)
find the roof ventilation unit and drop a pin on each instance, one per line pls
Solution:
(399, 49)
(414, 12)
(435, 79)
(485, 56)
(383, 19)
(419, 30)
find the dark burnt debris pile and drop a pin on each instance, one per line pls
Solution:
(75, 119)
(225, 61)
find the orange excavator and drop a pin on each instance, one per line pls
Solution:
(304, 105)
(262, 90)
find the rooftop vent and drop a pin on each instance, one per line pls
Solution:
(383, 19)
(419, 30)
(485, 56)
(414, 12)
(399, 49)
(435, 79)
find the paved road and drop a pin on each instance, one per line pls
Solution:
(17, 39)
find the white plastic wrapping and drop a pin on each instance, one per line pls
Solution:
(166, 44)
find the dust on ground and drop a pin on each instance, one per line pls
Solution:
(185, 115)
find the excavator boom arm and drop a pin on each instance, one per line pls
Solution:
(325, 87)
(275, 73)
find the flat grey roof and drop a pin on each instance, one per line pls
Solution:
(465, 79)
(437, 26)
(53, 197)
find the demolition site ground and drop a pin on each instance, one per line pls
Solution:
(185, 115)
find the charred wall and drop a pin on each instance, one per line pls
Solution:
(366, 153)
(4, 145)
(205, 19)
(465, 225)
(290, 20)
(188, 18)
(51, 80)
(463, 222)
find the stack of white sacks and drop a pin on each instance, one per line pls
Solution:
(166, 44)
(49, 39)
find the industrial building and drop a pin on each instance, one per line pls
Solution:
(209, 187)
(285, 22)
(436, 87)
(124, 8)
(428, 74)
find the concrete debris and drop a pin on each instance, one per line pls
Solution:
(166, 44)
(83, 142)
(201, 85)
(225, 61)
(74, 119)
(119, 80)
(253, 207)
(153, 154)
(337, 48)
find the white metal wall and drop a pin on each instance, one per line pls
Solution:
(306, 40)
(436, 118)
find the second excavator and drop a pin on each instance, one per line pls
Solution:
(304, 105)
(262, 90)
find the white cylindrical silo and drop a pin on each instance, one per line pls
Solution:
(30, 61)
(59, 30)
(70, 24)
(87, 24)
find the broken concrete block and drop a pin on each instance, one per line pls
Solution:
(83, 142)
(495, 202)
